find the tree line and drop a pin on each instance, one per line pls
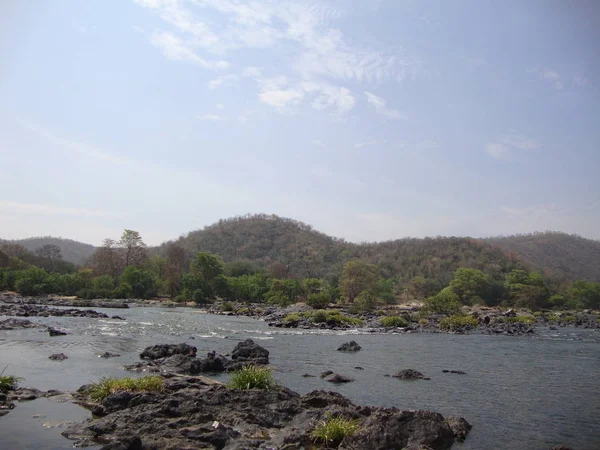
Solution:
(126, 269)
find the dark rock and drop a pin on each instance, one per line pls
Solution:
(118, 318)
(248, 351)
(409, 374)
(55, 332)
(560, 447)
(338, 379)
(25, 310)
(326, 373)
(166, 350)
(58, 357)
(308, 375)
(351, 346)
(359, 368)
(108, 355)
(459, 426)
(132, 443)
(459, 372)
(16, 324)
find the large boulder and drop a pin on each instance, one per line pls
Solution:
(249, 352)
(459, 426)
(165, 350)
(351, 346)
(392, 429)
(338, 378)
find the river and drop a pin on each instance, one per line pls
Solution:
(518, 392)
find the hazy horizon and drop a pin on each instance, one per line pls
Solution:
(369, 121)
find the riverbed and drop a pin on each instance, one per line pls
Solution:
(518, 392)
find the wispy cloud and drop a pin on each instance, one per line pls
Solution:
(223, 80)
(178, 49)
(373, 142)
(45, 209)
(380, 106)
(507, 145)
(73, 145)
(211, 117)
(328, 96)
(318, 143)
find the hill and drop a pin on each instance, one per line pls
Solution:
(72, 251)
(305, 252)
(568, 256)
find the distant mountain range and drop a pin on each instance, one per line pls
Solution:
(304, 251)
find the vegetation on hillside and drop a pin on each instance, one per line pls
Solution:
(71, 251)
(266, 259)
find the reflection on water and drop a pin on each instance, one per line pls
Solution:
(519, 393)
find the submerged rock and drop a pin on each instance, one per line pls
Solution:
(58, 357)
(338, 379)
(54, 332)
(459, 372)
(410, 374)
(192, 413)
(107, 355)
(16, 324)
(351, 346)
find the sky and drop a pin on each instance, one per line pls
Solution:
(370, 120)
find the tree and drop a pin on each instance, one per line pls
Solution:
(469, 284)
(445, 302)
(207, 266)
(526, 289)
(107, 260)
(174, 269)
(239, 268)
(205, 279)
(134, 248)
(32, 281)
(141, 283)
(584, 293)
(284, 292)
(50, 253)
(358, 276)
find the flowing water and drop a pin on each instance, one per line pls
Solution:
(519, 392)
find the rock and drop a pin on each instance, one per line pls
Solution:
(308, 375)
(16, 324)
(58, 357)
(166, 350)
(459, 426)
(351, 346)
(410, 374)
(190, 413)
(326, 373)
(108, 355)
(393, 429)
(459, 372)
(25, 310)
(118, 318)
(560, 447)
(55, 332)
(248, 351)
(359, 368)
(338, 379)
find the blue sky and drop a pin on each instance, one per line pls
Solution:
(370, 120)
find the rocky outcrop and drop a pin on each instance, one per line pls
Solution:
(181, 359)
(55, 332)
(410, 374)
(459, 426)
(194, 413)
(58, 357)
(61, 301)
(25, 310)
(351, 346)
(165, 350)
(17, 324)
(7, 399)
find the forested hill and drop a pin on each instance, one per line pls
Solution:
(568, 256)
(71, 251)
(303, 251)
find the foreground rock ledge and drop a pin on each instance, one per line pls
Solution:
(199, 413)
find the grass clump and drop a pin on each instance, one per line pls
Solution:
(293, 317)
(252, 377)
(106, 386)
(394, 322)
(8, 383)
(454, 323)
(528, 320)
(328, 315)
(334, 429)
(569, 319)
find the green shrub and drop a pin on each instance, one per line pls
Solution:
(446, 302)
(529, 320)
(32, 281)
(243, 311)
(106, 386)
(423, 322)
(394, 322)
(319, 316)
(252, 377)
(293, 317)
(227, 306)
(334, 429)
(455, 323)
(323, 316)
(569, 319)
(8, 383)
(553, 318)
(318, 300)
